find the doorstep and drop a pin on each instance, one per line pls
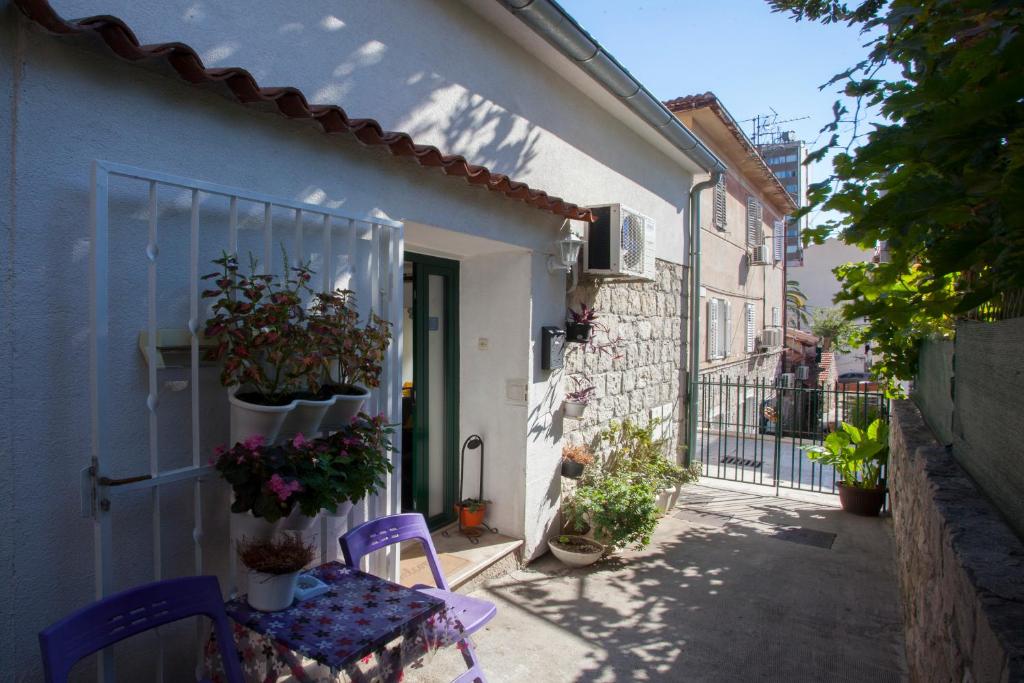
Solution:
(464, 564)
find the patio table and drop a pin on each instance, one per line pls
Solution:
(364, 629)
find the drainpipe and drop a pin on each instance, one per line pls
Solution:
(691, 403)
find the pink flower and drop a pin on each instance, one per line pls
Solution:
(254, 442)
(300, 441)
(283, 489)
(219, 450)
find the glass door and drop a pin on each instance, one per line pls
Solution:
(430, 405)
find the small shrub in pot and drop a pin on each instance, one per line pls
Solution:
(858, 456)
(274, 567)
(575, 458)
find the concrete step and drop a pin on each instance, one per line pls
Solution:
(463, 563)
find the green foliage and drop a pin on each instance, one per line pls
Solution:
(796, 302)
(835, 330)
(622, 510)
(633, 451)
(856, 454)
(940, 179)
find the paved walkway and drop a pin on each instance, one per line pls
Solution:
(735, 587)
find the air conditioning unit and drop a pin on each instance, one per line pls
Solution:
(619, 242)
(761, 255)
(771, 337)
(803, 372)
(787, 380)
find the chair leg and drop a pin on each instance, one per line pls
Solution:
(476, 672)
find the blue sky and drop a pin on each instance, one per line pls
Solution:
(752, 59)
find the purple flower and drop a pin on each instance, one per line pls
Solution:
(282, 489)
(254, 442)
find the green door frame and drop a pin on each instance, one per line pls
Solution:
(423, 267)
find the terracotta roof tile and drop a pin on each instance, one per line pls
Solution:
(289, 102)
(710, 100)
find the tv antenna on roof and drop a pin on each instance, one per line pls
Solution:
(767, 128)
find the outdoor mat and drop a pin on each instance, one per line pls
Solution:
(415, 570)
(811, 537)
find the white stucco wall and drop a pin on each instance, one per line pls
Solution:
(74, 106)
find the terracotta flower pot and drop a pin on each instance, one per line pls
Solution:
(860, 501)
(468, 518)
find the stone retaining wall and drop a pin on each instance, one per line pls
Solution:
(961, 568)
(644, 380)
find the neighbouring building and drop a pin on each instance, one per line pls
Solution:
(743, 270)
(819, 284)
(415, 151)
(786, 156)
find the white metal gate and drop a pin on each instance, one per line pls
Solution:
(362, 253)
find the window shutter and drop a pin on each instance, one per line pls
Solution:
(721, 196)
(712, 328)
(727, 330)
(750, 328)
(775, 316)
(755, 234)
(778, 239)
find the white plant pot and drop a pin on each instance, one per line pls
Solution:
(344, 408)
(296, 521)
(305, 418)
(574, 409)
(250, 419)
(271, 592)
(245, 525)
(341, 510)
(667, 499)
(575, 558)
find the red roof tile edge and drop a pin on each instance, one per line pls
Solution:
(709, 99)
(292, 103)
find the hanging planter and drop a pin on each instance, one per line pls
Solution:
(246, 525)
(574, 409)
(575, 458)
(345, 403)
(306, 417)
(578, 332)
(255, 419)
(296, 521)
(572, 470)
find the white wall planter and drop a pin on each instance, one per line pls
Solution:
(305, 418)
(271, 592)
(344, 408)
(341, 511)
(296, 521)
(574, 409)
(250, 419)
(245, 525)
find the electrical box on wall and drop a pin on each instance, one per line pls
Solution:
(552, 348)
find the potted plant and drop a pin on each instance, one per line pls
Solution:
(471, 512)
(274, 567)
(620, 509)
(261, 342)
(858, 456)
(580, 324)
(353, 464)
(575, 551)
(635, 450)
(576, 400)
(353, 356)
(575, 458)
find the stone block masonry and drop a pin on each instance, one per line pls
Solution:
(961, 568)
(649, 319)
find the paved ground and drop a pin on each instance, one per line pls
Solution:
(736, 587)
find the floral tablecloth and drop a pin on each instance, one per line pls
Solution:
(363, 630)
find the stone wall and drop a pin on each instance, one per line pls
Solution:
(650, 320)
(961, 568)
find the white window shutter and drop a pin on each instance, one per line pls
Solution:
(752, 240)
(751, 340)
(778, 239)
(650, 247)
(712, 328)
(727, 330)
(720, 201)
(775, 316)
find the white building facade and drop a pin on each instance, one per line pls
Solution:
(471, 79)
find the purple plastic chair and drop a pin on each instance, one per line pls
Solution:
(471, 612)
(133, 611)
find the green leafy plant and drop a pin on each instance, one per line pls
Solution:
(634, 451)
(857, 455)
(258, 324)
(621, 509)
(358, 351)
(939, 180)
(836, 332)
(796, 302)
(474, 504)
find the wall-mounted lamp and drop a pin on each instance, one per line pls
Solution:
(568, 253)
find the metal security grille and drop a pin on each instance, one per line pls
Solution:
(153, 235)
(754, 431)
(632, 242)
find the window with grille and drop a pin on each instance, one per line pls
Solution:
(755, 235)
(751, 340)
(720, 203)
